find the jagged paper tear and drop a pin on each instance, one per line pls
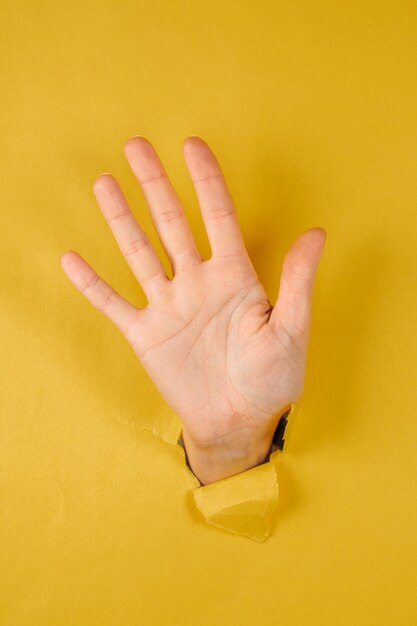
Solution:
(241, 504)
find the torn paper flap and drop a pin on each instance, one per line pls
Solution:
(243, 503)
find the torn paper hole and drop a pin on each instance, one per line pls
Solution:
(241, 504)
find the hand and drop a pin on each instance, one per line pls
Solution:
(224, 359)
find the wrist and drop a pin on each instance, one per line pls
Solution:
(210, 463)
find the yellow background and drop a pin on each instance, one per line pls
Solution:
(311, 109)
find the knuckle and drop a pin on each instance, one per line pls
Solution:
(119, 217)
(152, 179)
(235, 252)
(109, 298)
(91, 282)
(217, 211)
(168, 216)
(134, 246)
(208, 178)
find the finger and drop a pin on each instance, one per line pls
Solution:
(131, 238)
(215, 201)
(293, 307)
(166, 211)
(101, 295)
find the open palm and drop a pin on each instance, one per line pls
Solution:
(224, 359)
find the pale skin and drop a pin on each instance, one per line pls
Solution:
(226, 360)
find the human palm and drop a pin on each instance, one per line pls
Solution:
(224, 359)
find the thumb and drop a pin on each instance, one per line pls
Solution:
(293, 306)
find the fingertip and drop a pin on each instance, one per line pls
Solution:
(63, 256)
(191, 140)
(319, 236)
(67, 259)
(101, 181)
(63, 259)
(133, 142)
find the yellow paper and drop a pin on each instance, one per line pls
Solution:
(311, 109)
(230, 504)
